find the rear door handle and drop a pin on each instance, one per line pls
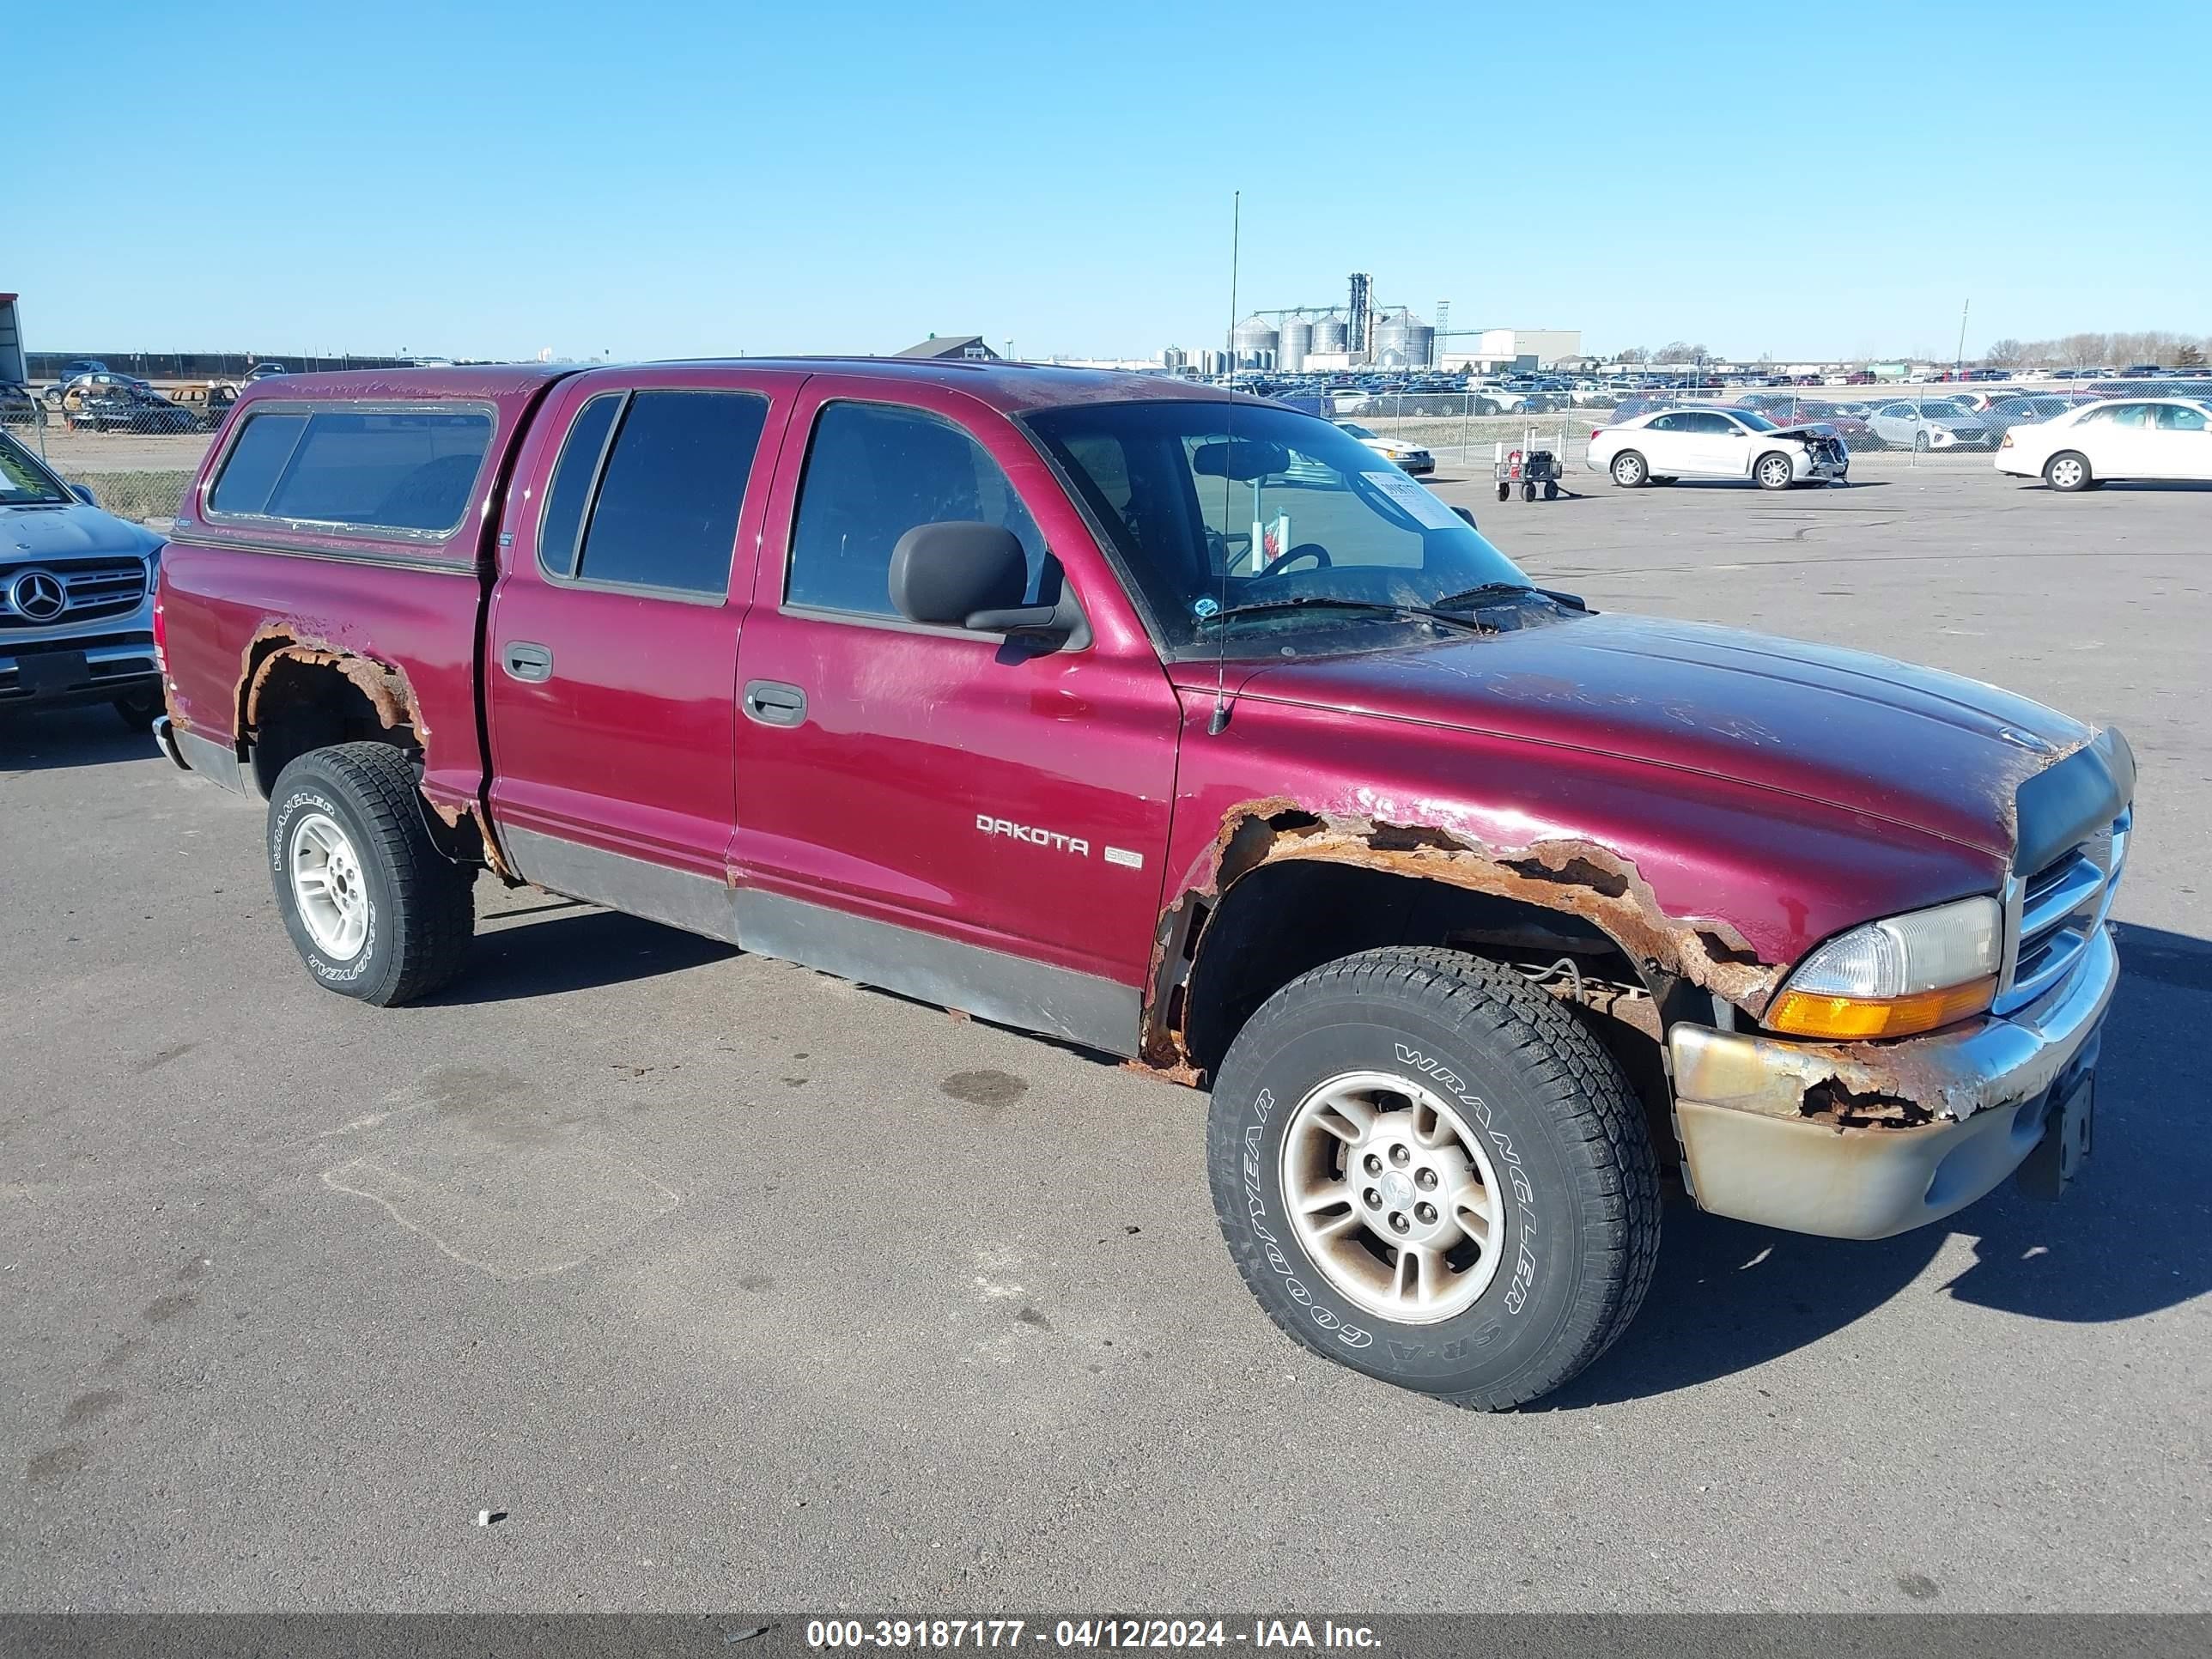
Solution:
(526, 661)
(771, 702)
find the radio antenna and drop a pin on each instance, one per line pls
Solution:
(1218, 720)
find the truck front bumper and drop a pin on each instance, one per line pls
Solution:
(1970, 1105)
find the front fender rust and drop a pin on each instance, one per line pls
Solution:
(1568, 875)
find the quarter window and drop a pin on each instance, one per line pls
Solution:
(873, 472)
(670, 488)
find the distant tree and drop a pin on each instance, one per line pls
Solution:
(2006, 353)
(2190, 357)
(1634, 354)
(2080, 351)
(1675, 351)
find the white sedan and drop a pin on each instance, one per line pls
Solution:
(1408, 457)
(1926, 423)
(1717, 443)
(2120, 438)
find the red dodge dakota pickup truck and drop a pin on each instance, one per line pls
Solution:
(1178, 725)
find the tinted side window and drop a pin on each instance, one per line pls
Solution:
(560, 531)
(672, 489)
(257, 458)
(2173, 417)
(1669, 423)
(873, 472)
(400, 470)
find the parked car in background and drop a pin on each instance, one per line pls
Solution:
(17, 406)
(1406, 456)
(1926, 423)
(130, 409)
(1472, 909)
(2141, 371)
(76, 596)
(2026, 408)
(2168, 438)
(1713, 442)
(62, 394)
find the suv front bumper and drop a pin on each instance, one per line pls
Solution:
(52, 673)
(1975, 1101)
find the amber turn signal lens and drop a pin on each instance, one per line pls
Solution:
(1852, 1018)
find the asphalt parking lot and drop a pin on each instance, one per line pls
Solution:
(735, 1287)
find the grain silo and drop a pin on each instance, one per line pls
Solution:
(1296, 341)
(1404, 341)
(1328, 335)
(1254, 342)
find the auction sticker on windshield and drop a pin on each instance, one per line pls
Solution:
(1430, 512)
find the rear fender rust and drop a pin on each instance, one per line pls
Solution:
(454, 816)
(1567, 875)
(385, 684)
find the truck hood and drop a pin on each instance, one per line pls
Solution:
(1864, 734)
(68, 532)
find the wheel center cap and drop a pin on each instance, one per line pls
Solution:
(1396, 1190)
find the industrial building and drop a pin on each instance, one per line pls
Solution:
(1364, 334)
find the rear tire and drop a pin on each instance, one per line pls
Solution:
(1425, 1085)
(2067, 471)
(376, 909)
(1629, 471)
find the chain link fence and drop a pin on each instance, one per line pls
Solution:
(134, 446)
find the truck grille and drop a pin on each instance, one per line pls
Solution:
(92, 588)
(2059, 910)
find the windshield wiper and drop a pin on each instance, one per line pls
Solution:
(1371, 607)
(1512, 589)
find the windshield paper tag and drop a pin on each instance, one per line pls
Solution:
(1429, 512)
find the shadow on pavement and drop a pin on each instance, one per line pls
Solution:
(568, 948)
(2126, 1240)
(50, 739)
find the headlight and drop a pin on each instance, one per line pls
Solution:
(1910, 973)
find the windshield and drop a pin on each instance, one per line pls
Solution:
(1754, 420)
(1217, 507)
(23, 481)
(1357, 431)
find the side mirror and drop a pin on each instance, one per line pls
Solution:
(1468, 513)
(958, 575)
(83, 493)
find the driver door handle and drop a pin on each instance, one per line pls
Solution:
(771, 702)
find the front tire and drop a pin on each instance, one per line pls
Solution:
(1426, 1170)
(2067, 471)
(1629, 471)
(1920, 443)
(1774, 471)
(376, 909)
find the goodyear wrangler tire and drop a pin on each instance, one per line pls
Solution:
(1427, 1171)
(376, 910)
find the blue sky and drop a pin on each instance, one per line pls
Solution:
(677, 177)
